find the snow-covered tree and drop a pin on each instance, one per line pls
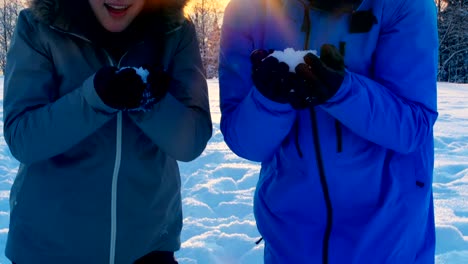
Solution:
(453, 39)
(9, 11)
(207, 16)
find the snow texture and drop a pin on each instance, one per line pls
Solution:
(291, 57)
(218, 187)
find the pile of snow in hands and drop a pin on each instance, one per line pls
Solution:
(291, 57)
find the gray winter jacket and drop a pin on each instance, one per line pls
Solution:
(97, 185)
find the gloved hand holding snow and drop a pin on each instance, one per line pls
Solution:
(157, 84)
(311, 80)
(120, 89)
(273, 72)
(291, 57)
(319, 78)
(146, 98)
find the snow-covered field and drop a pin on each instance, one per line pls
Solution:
(218, 187)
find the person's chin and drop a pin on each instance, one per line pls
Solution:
(115, 25)
(115, 28)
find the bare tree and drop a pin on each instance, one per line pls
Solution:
(453, 40)
(8, 15)
(207, 15)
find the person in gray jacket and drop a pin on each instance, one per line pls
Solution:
(101, 99)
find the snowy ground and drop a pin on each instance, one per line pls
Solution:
(219, 227)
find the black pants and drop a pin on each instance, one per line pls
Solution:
(155, 257)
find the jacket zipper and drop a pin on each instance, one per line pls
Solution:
(115, 175)
(306, 27)
(115, 178)
(118, 159)
(117, 162)
(324, 184)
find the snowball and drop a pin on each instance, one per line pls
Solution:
(292, 57)
(147, 100)
(143, 73)
(140, 71)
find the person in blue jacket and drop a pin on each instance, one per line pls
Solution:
(345, 139)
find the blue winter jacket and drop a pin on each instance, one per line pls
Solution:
(348, 181)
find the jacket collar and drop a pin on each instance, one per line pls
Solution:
(296, 9)
(290, 5)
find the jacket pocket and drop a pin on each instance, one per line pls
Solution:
(286, 189)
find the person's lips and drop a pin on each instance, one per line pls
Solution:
(116, 9)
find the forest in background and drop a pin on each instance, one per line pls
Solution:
(207, 16)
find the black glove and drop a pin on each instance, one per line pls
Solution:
(317, 80)
(158, 82)
(119, 89)
(270, 76)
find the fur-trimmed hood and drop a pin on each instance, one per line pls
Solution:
(61, 13)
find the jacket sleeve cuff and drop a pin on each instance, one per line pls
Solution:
(269, 104)
(93, 99)
(343, 90)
